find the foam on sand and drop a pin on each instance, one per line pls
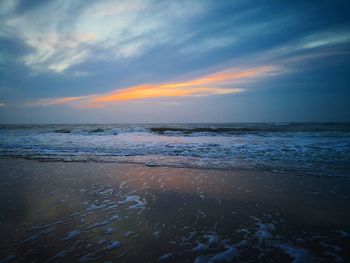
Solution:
(299, 255)
(140, 203)
(166, 256)
(264, 231)
(114, 245)
(71, 235)
(222, 257)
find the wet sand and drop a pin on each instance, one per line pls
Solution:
(103, 212)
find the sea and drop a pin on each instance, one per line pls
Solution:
(317, 149)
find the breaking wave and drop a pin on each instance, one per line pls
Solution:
(318, 149)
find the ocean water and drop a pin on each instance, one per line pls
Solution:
(321, 149)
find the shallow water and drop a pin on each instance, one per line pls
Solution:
(318, 149)
(96, 212)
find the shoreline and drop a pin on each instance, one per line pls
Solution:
(79, 208)
(117, 161)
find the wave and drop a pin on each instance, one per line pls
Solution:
(254, 128)
(100, 130)
(167, 130)
(315, 148)
(197, 129)
(186, 128)
(62, 131)
(164, 130)
(96, 130)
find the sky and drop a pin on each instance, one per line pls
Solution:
(145, 61)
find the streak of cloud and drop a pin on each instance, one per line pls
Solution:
(219, 83)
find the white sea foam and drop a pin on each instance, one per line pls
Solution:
(88, 257)
(114, 245)
(128, 234)
(62, 254)
(225, 256)
(93, 207)
(102, 241)
(222, 257)
(212, 239)
(166, 256)
(71, 235)
(122, 184)
(106, 191)
(264, 231)
(31, 239)
(306, 148)
(109, 230)
(140, 203)
(299, 255)
(200, 247)
(156, 234)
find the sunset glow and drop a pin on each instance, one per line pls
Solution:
(219, 83)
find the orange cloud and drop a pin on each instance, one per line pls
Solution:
(155, 91)
(224, 77)
(213, 84)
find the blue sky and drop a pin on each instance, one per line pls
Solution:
(174, 61)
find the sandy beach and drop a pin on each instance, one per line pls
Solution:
(108, 212)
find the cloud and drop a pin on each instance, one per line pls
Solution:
(2, 104)
(109, 30)
(219, 83)
(319, 41)
(7, 6)
(122, 29)
(326, 39)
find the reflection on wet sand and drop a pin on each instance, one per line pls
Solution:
(96, 212)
